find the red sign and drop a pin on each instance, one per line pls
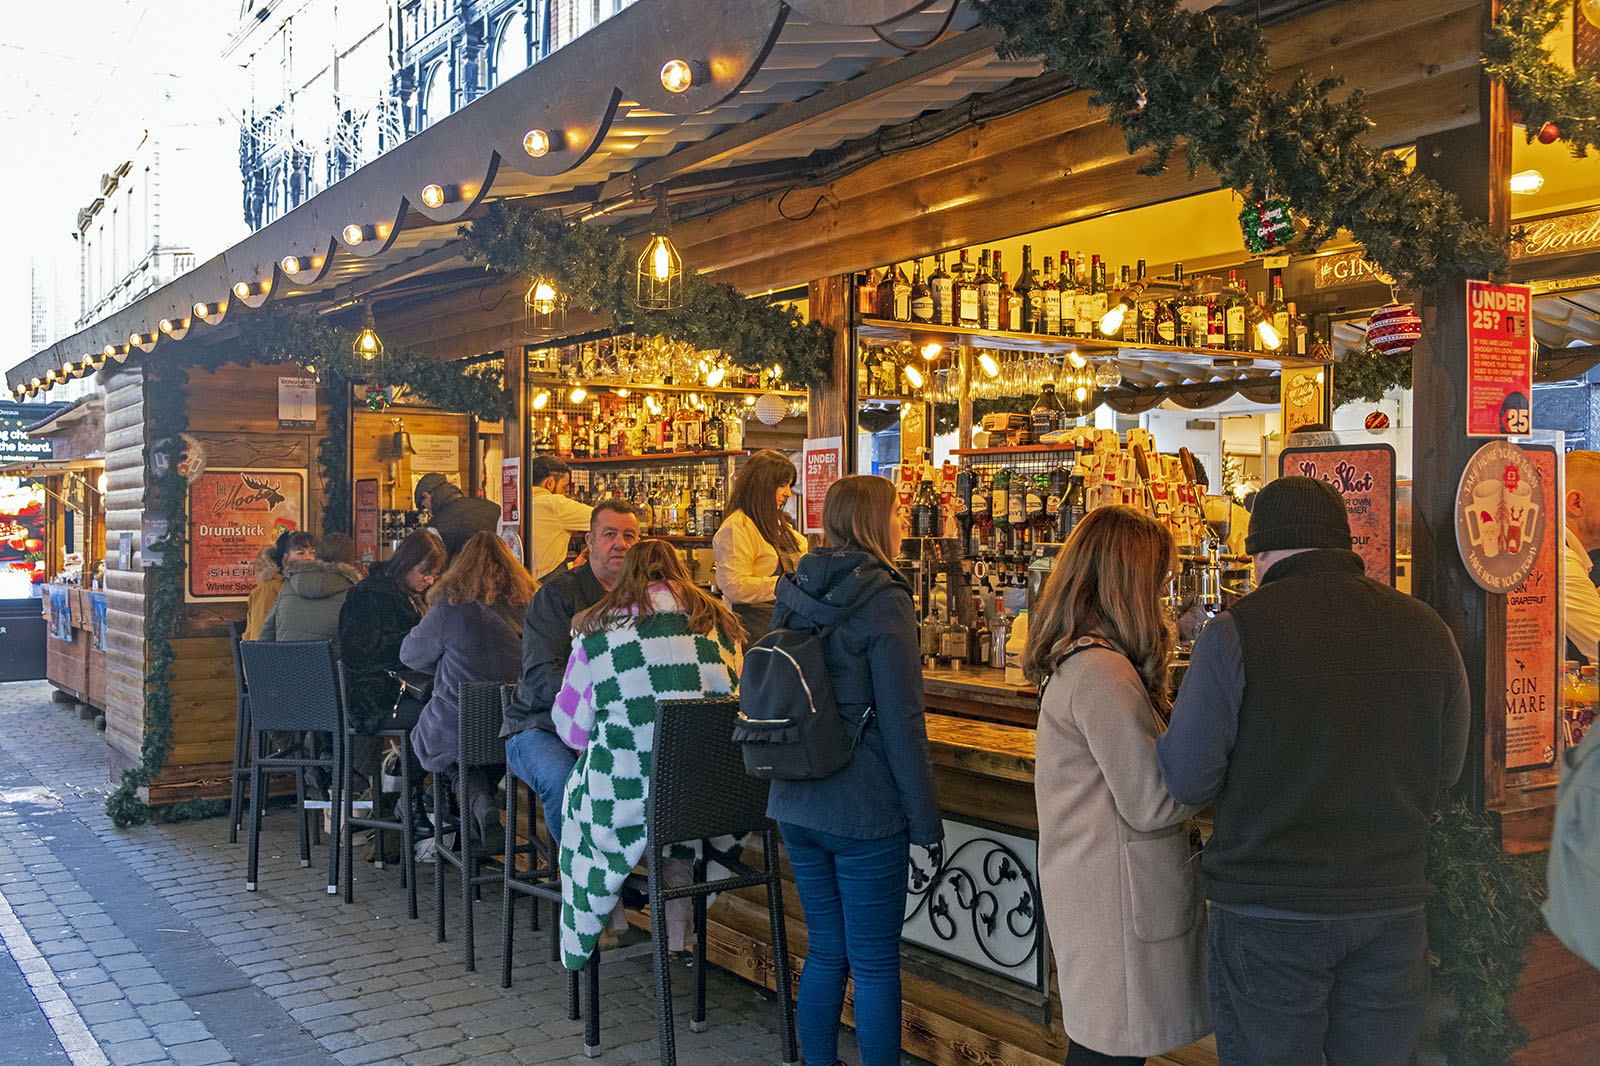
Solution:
(1499, 360)
(233, 514)
(1534, 644)
(1364, 476)
(822, 465)
(510, 488)
(366, 502)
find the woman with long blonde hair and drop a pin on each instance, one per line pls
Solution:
(848, 835)
(654, 636)
(1121, 897)
(472, 632)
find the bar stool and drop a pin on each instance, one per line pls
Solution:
(293, 688)
(241, 736)
(351, 820)
(479, 746)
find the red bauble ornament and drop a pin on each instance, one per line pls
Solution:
(1549, 133)
(1377, 421)
(1393, 329)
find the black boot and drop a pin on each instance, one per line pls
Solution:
(411, 809)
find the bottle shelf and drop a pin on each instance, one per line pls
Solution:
(1016, 448)
(658, 457)
(1216, 358)
(679, 538)
(538, 380)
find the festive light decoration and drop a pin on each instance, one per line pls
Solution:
(368, 345)
(676, 76)
(538, 143)
(1525, 182)
(659, 275)
(1267, 225)
(435, 195)
(771, 408)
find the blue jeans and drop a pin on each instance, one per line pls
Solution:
(854, 896)
(538, 757)
(1289, 991)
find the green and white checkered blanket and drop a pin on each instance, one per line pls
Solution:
(606, 710)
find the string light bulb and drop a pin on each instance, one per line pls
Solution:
(290, 264)
(932, 350)
(541, 400)
(433, 195)
(990, 367)
(1111, 321)
(355, 233)
(676, 76)
(537, 143)
(716, 376)
(913, 375)
(577, 394)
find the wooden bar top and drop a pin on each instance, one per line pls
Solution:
(984, 748)
(981, 693)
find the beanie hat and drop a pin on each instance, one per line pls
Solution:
(1297, 512)
(429, 483)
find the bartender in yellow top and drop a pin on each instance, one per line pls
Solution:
(1583, 536)
(756, 544)
(553, 516)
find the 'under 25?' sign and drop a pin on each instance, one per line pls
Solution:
(1499, 360)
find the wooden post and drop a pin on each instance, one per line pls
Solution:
(516, 439)
(832, 405)
(1475, 164)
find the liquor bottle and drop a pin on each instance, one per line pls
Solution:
(711, 433)
(1130, 321)
(1073, 506)
(544, 445)
(925, 507)
(1029, 292)
(988, 294)
(1038, 506)
(1278, 311)
(963, 502)
(978, 641)
(1083, 306)
(580, 440)
(867, 293)
(1050, 299)
(1092, 304)
(1297, 327)
(1253, 341)
(652, 508)
(1165, 327)
(1144, 310)
(1216, 323)
(705, 509)
(942, 286)
(602, 433)
(1048, 411)
(921, 296)
(900, 294)
(883, 302)
(953, 641)
(982, 509)
(1234, 316)
(733, 430)
(1000, 506)
(1010, 306)
(966, 292)
(1017, 510)
(563, 436)
(1059, 479)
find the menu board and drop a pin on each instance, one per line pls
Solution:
(1499, 360)
(366, 508)
(1533, 645)
(1364, 476)
(233, 514)
(821, 466)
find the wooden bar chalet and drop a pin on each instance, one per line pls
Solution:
(811, 152)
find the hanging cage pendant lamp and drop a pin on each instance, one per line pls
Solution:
(658, 279)
(368, 345)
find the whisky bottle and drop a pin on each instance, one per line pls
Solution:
(966, 293)
(1010, 305)
(1234, 316)
(921, 296)
(988, 295)
(1092, 303)
(942, 286)
(1029, 293)
(1050, 297)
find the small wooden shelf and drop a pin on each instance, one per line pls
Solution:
(1014, 448)
(681, 539)
(1215, 358)
(658, 457)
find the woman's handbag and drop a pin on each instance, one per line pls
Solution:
(416, 689)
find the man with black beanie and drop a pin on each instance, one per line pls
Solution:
(1321, 715)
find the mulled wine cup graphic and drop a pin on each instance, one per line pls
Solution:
(1501, 515)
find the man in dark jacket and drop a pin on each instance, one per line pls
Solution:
(1322, 714)
(456, 516)
(533, 751)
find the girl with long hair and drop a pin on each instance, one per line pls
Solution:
(756, 543)
(654, 636)
(472, 632)
(848, 835)
(1121, 897)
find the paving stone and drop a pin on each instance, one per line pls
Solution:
(383, 1049)
(120, 1030)
(185, 1032)
(204, 1053)
(129, 1052)
(170, 1011)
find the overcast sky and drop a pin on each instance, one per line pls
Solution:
(80, 82)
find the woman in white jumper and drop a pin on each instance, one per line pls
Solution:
(756, 544)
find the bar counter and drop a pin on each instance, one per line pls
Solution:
(981, 692)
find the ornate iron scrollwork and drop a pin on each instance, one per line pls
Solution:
(985, 884)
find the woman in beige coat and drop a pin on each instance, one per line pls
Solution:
(1121, 897)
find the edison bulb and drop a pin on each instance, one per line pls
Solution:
(1111, 322)
(660, 261)
(536, 143)
(676, 76)
(913, 375)
(1590, 9)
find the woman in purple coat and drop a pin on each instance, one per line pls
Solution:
(472, 632)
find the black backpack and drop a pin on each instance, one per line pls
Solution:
(789, 725)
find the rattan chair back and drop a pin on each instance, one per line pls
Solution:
(698, 785)
(480, 724)
(292, 685)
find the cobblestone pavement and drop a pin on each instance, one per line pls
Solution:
(142, 946)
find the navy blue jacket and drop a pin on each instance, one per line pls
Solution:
(872, 658)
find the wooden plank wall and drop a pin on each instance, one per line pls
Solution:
(126, 583)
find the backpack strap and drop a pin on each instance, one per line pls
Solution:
(1081, 644)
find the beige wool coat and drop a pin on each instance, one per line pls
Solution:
(1122, 901)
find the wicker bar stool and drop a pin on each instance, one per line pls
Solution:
(480, 746)
(352, 820)
(241, 737)
(293, 688)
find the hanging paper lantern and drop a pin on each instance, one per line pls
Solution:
(1266, 225)
(771, 408)
(1393, 329)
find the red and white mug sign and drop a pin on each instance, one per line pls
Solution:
(1499, 360)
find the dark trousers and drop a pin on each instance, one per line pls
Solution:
(1078, 1055)
(854, 896)
(1289, 991)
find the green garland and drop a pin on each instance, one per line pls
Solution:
(1483, 915)
(1368, 374)
(594, 269)
(274, 337)
(1167, 75)
(1543, 91)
